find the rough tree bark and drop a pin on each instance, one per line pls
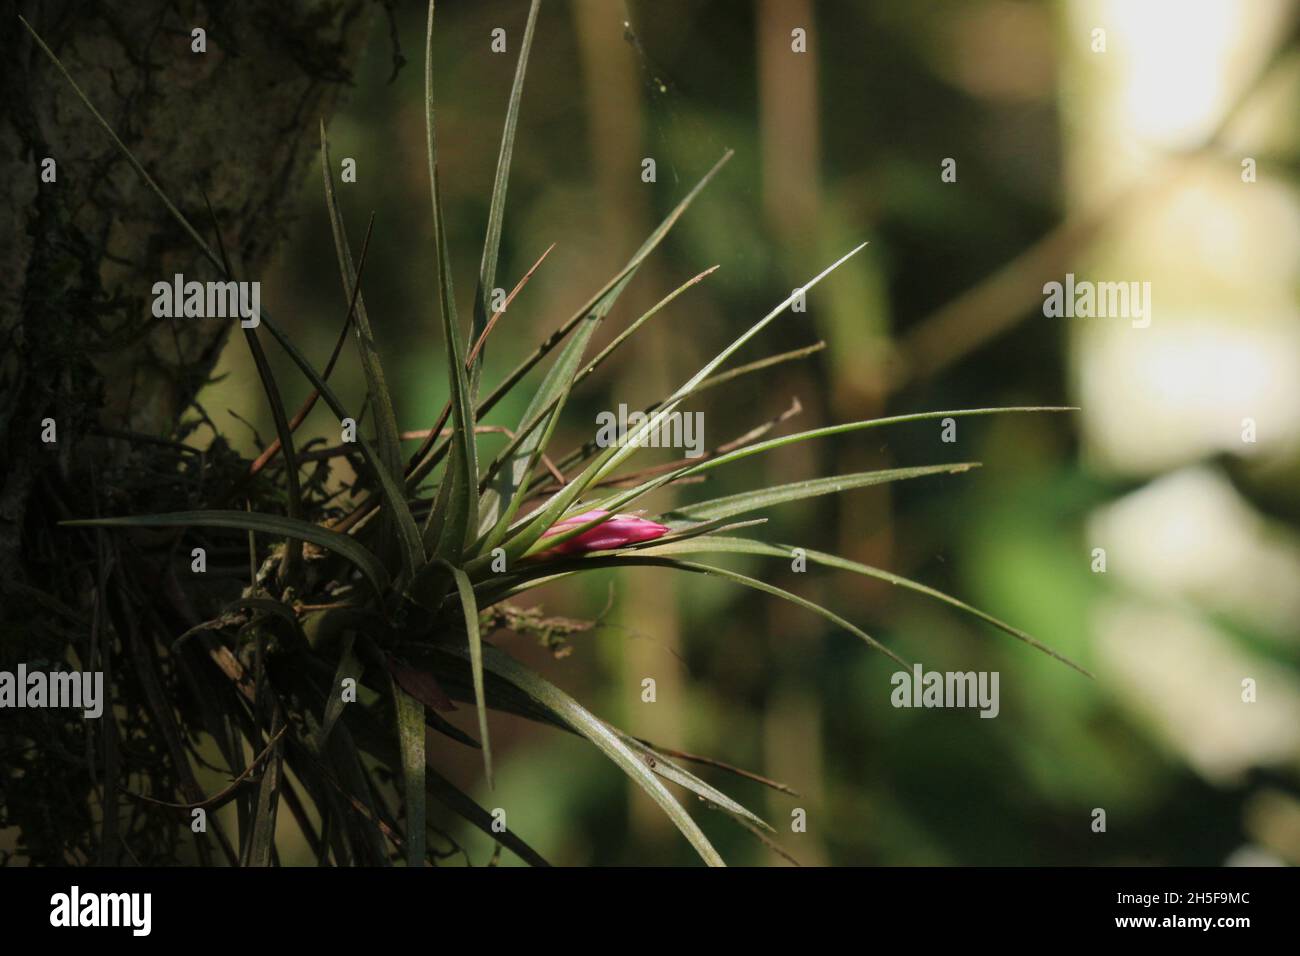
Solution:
(78, 342)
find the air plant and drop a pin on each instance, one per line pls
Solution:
(393, 592)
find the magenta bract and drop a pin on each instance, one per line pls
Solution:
(618, 531)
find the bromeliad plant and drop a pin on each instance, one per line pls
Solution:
(394, 593)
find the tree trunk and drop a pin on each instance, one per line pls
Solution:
(79, 344)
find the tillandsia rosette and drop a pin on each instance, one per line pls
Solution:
(364, 621)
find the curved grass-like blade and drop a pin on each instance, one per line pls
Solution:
(390, 450)
(496, 208)
(656, 758)
(627, 333)
(422, 462)
(711, 366)
(585, 451)
(746, 501)
(349, 667)
(469, 608)
(342, 544)
(455, 517)
(546, 572)
(410, 738)
(509, 699)
(292, 559)
(611, 288)
(771, 443)
(268, 800)
(594, 729)
(719, 509)
(309, 402)
(711, 796)
(723, 766)
(728, 545)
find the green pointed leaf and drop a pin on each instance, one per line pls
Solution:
(614, 286)
(268, 800)
(496, 209)
(437, 517)
(469, 607)
(410, 732)
(340, 544)
(628, 332)
(431, 450)
(390, 450)
(349, 667)
(772, 443)
(684, 778)
(292, 559)
(747, 501)
(511, 484)
(590, 448)
(343, 759)
(712, 365)
(458, 517)
(522, 434)
(581, 720)
(728, 545)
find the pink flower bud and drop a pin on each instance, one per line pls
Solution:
(618, 531)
